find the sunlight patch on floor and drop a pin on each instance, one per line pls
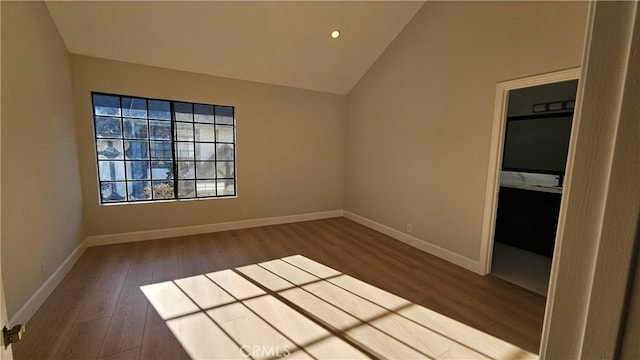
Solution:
(295, 307)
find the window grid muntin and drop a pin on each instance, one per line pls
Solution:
(150, 159)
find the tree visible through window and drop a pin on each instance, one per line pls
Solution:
(150, 149)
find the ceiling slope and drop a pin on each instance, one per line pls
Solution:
(280, 42)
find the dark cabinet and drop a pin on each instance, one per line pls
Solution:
(527, 219)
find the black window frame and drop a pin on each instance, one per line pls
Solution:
(125, 158)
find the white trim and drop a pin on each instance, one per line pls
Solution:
(40, 296)
(575, 127)
(495, 155)
(427, 247)
(98, 240)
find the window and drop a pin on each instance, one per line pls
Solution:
(149, 149)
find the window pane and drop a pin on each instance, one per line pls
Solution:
(112, 191)
(224, 133)
(204, 132)
(186, 170)
(185, 131)
(226, 187)
(135, 129)
(106, 105)
(159, 109)
(184, 151)
(138, 170)
(134, 107)
(205, 170)
(203, 113)
(186, 189)
(139, 190)
(111, 170)
(108, 127)
(136, 149)
(224, 152)
(163, 190)
(224, 115)
(206, 188)
(160, 130)
(225, 169)
(205, 151)
(184, 111)
(161, 150)
(161, 170)
(109, 149)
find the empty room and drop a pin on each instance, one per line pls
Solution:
(320, 179)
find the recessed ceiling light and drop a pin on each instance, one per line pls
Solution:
(335, 34)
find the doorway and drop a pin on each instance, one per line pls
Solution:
(530, 141)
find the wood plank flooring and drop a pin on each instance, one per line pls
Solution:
(99, 311)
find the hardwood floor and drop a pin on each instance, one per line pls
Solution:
(100, 312)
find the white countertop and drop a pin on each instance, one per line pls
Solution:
(548, 189)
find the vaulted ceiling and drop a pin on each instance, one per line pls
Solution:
(278, 42)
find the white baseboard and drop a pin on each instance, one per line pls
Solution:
(98, 240)
(432, 249)
(38, 298)
(32, 305)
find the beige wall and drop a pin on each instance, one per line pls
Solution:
(419, 122)
(290, 146)
(41, 198)
(589, 283)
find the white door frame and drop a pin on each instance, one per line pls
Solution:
(495, 154)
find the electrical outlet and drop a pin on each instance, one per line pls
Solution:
(244, 213)
(42, 269)
(409, 228)
(373, 214)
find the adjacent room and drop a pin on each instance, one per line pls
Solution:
(318, 179)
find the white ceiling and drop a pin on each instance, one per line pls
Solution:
(277, 42)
